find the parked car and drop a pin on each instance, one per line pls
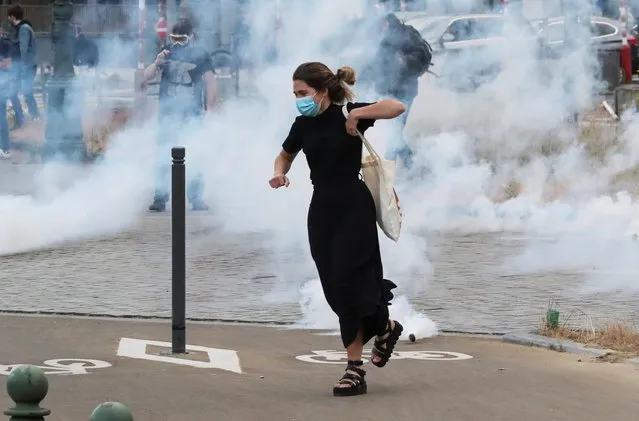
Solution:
(467, 48)
(606, 35)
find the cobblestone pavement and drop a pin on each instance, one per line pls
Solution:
(231, 276)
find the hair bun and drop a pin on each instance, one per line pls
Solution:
(346, 74)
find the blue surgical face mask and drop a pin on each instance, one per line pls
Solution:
(307, 106)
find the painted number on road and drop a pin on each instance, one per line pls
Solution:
(62, 366)
(222, 359)
(339, 357)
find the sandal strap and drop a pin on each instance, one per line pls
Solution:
(358, 371)
(387, 331)
(381, 353)
(385, 336)
(352, 379)
(381, 341)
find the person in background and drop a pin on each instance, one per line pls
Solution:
(187, 89)
(402, 57)
(27, 66)
(9, 35)
(342, 220)
(85, 50)
(6, 80)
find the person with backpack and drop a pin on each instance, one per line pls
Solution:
(402, 57)
(26, 66)
(187, 89)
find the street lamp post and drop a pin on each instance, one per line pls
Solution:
(63, 131)
(140, 87)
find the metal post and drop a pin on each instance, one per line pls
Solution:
(63, 130)
(141, 27)
(27, 386)
(140, 87)
(178, 222)
(571, 27)
(111, 411)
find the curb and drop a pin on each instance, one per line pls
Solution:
(531, 339)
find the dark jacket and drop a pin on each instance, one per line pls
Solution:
(394, 66)
(85, 52)
(27, 44)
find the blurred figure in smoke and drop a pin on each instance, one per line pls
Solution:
(9, 36)
(342, 221)
(187, 89)
(403, 56)
(85, 50)
(26, 67)
(6, 80)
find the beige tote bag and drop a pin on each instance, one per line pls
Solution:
(379, 176)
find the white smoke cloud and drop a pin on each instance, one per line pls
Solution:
(495, 159)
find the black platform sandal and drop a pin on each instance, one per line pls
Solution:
(383, 347)
(354, 378)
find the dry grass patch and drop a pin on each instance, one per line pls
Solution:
(617, 336)
(621, 337)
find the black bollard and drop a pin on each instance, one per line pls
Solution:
(178, 222)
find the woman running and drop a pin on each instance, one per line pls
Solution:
(342, 224)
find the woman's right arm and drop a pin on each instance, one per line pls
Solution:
(290, 148)
(282, 166)
(283, 162)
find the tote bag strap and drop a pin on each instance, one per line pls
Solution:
(368, 146)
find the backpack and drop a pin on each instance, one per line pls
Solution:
(419, 50)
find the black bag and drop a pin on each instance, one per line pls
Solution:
(417, 50)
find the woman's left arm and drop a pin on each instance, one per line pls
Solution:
(380, 110)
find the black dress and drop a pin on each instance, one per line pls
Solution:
(342, 225)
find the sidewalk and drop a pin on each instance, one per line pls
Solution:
(499, 382)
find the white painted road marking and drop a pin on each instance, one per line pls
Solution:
(222, 359)
(62, 366)
(339, 357)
